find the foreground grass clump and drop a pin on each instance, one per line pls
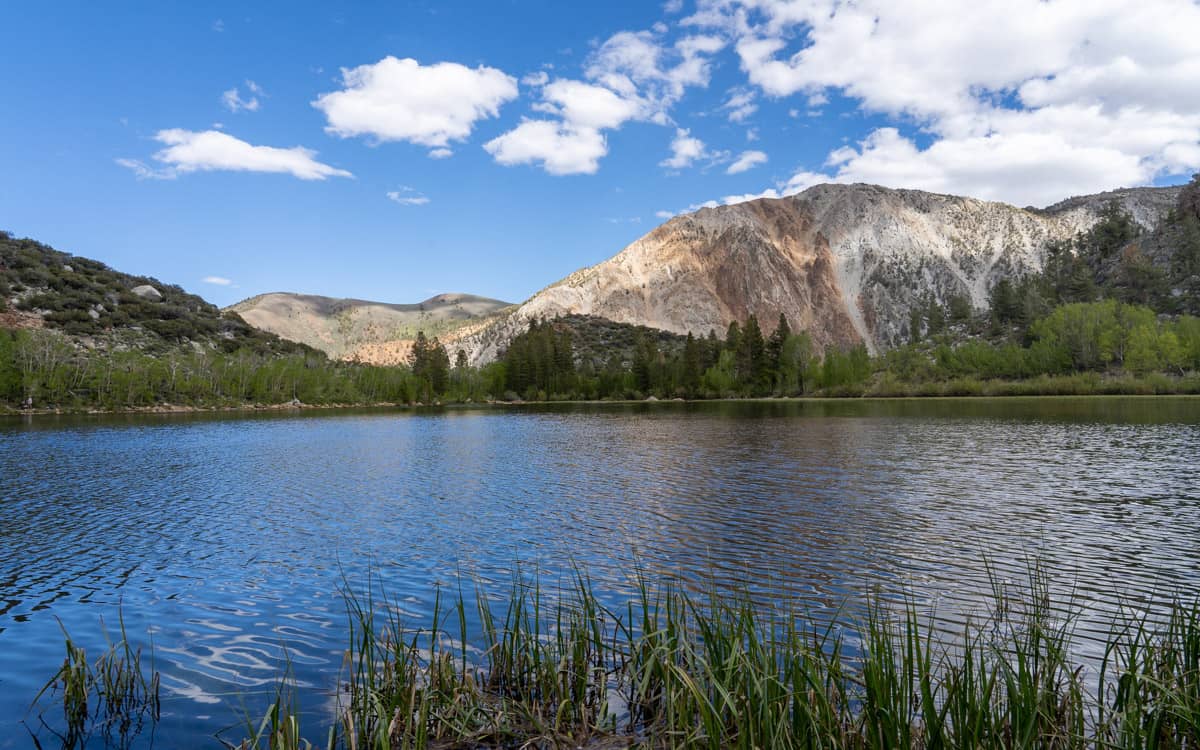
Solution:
(112, 697)
(556, 668)
(676, 670)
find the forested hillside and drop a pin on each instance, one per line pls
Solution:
(1112, 311)
(41, 287)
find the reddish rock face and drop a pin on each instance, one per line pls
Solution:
(844, 262)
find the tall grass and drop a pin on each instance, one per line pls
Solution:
(113, 696)
(673, 669)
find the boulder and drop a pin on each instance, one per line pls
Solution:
(145, 291)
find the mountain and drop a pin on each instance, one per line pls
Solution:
(372, 332)
(847, 263)
(100, 308)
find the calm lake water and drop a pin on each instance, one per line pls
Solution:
(225, 540)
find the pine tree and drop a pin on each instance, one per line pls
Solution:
(692, 368)
(775, 348)
(752, 357)
(733, 336)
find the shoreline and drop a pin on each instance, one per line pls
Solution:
(297, 407)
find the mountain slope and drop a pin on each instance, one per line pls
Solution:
(845, 262)
(100, 308)
(374, 332)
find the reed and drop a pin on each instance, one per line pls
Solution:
(673, 669)
(113, 696)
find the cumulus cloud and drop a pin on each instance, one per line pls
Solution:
(407, 196)
(1022, 168)
(641, 61)
(217, 280)
(746, 161)
(402, 100)
(211, 150)
(233, 101)
(685, 150)
(1020, 100)
(560, 148)
(440, 153)
(586, 105)
(632, 76)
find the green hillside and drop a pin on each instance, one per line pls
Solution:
(99, 307)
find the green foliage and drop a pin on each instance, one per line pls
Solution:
(45, 366)
(430, 366)
(541, 359)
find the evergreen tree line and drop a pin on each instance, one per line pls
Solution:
(538, 364)
(1108, 338)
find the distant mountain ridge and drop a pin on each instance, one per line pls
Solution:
(362, 330)
(847, 263)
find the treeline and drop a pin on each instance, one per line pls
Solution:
(540, 364)
(42, 368)
(1106, 339)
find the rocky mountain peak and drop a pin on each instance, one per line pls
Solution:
(845, 262)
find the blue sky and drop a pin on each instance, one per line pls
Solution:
(161, 138)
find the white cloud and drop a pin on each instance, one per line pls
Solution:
(211, 150)
(664, 214)
(740, 104)
(407, 196)
(402, 100)
(638, 60)
(218, 26)
(217, 280)
(233, 101)
(560, 148)
(537, 78)
(1019, 100)
(802, 181)
(685, 150)
(632, 76)
(440, 153)
(1021, 168)
(584, 105)
(746, 161)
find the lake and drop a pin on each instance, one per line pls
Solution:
(225, 539)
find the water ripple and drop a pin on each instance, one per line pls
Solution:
(225, 542)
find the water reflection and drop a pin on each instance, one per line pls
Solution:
(227, 539)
